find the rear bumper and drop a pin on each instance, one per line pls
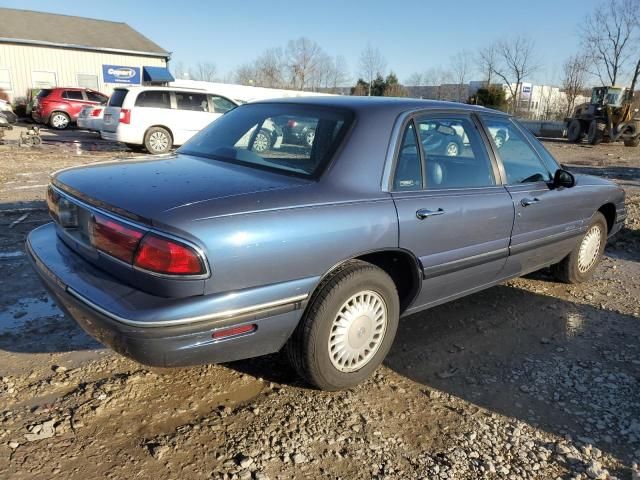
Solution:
(165, 342)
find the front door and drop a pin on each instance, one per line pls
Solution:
(548, 220)
(454, 214)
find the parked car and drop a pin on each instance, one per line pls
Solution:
(442, 138)
(59, 107)
(90, 118)
(299, 131)
(160, 118)
(218, 253)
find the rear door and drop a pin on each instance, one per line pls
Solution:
(547, 219)
(454, 213)
(75, 100)
(193, 113)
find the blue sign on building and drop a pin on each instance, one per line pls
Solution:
(121, 74)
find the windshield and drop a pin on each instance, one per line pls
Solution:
(290, 138)
(117, 97)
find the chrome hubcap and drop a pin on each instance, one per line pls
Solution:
(261, 143)
(498, 141)
(452, 150)
(357, 331)
(158, 141)
(310, 136)
(589, 249)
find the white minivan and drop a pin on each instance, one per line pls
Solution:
(157, 118)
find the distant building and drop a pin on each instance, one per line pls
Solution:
(41, 50)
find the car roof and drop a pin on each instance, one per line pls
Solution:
(362, 104)
(171, 89)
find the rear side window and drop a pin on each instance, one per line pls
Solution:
(117, 97)
(221, 104)
(154, 99)
(72, 95)
(44, 93)
(191, 101)
(96, 97)
(408, 174)
(251, 135)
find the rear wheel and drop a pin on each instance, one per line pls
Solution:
(452, 149)
(579, 265)
(262, 142)
(348, 328)
(59, 120)
(632, 142)
(575, 131)
(596, 132)
(309, 137)
(158, 140)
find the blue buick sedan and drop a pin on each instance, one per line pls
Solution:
(224, 251)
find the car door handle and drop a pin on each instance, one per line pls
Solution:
(525, 202)
(424, 213)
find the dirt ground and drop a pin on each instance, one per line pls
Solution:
(530, 379)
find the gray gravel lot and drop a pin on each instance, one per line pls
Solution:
(527, 380)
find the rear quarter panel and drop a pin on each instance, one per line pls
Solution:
(279, 245)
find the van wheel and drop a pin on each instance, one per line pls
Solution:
(157, 140)
(348, 327)
(579, 265)
(59, 120)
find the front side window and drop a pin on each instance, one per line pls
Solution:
(221, 104)
(455, 155)
(72, 95)
(251, 135)
(154, 99)
(520, 160)
(196, 102)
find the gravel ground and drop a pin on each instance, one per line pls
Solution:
(530, 379)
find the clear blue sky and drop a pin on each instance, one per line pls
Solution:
(412, 35)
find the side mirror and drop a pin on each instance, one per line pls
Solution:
(563, 178)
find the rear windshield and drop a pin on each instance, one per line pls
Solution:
(253, 135)
(117, 97)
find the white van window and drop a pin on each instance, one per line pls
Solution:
(154, 99)
(192, 101)
(221, 104)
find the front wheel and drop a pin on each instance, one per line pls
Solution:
(632, 142)
(596, 132)
(575, 131)
(348, 327)
(579, 265)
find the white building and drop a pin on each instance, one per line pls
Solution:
(40, 50)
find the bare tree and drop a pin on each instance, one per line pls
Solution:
(178, 71)
(270, 69)
(372, 64)
(515, 63)
(415, 79)
(332, 73)
(487, 62)
(574, 75)
(205, 72)
(246, 75)
(609, 35)
(302, 56)
(461, 69)
(634, 79)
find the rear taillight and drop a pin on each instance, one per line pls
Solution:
(125, 115)
(165, 256)
(114, 238)
(292, 123)
(96, 112)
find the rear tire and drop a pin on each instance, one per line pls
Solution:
(579, 265)
(632, 142)
(59, 120)
(596, 132)
(158, 140)
(575, 131)
(262, 142)
(348, 327)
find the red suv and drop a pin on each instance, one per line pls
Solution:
(58, 107)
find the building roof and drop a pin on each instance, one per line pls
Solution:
(40, 28)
